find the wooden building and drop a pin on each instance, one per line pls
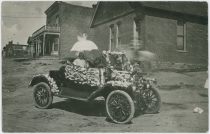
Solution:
(15, 50)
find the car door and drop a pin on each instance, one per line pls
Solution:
(78, 83)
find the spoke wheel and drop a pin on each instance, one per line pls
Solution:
(152, 100)
(120, 107)
(42, 95)
(140, 104)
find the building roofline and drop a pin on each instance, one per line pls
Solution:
(19, 45)
(47, 10)
(145, 4)
(91, 22)
(75, 5)
(61, 2)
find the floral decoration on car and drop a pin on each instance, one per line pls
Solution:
(51, 82)
(81, 75)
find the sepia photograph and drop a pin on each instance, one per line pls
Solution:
(105, 66)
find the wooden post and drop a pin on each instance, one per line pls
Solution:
(38, 46)
(59, 45)
(43, 44)
(37, 51)
(117, 35)
(110, 37)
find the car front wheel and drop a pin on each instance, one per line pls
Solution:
(120, 107)
(42, 95)
(152, 100)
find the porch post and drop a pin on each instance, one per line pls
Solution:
(140, 28)
(38, 42)
(110, 41)
(43, 44)
(59, 45)
(37, 47)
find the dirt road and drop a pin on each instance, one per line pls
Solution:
(180, 93)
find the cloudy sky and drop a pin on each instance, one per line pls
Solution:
(21, 18)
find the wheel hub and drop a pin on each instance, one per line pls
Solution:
(41, 96)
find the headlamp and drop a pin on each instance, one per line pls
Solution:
(134, 88)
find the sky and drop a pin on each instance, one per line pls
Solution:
(21, 18)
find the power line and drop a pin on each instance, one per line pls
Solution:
(23, 17)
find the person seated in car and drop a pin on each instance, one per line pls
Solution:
(80, 61)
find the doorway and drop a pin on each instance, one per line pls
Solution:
(52, 45)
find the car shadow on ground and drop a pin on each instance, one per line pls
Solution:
(93, 108)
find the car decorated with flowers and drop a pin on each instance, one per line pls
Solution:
(125, 90)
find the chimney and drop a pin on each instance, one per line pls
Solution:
(10, 42)
(94, 6)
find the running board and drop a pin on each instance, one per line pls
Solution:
(75, 98)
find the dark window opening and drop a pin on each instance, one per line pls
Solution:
(181, 36)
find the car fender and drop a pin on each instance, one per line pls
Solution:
(44, 78)
(128, 89)
(106, 89)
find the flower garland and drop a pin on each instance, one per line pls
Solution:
(119, 83)
(108, 53)
(53, 85)
(82, 76)
(121, 79)
(113, 52)
(122, 75)
(118, 60)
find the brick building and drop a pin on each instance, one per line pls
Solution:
(64, 22)
(176, 31)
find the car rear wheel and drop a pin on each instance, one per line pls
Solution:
(120, 107)
(42, 95)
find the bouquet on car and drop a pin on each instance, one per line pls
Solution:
(81, 75)
(120, 79)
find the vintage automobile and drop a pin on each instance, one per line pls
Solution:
(125, 90)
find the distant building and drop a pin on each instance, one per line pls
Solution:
(176, 31)
(64, 22)
(31, 47)
(15, 50)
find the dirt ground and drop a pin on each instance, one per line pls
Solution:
(180, 94)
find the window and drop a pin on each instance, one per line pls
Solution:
(56, 44)
(48, 20)
(135, 33)
(24, 47)
(181, 36)
(111, 37)
(118, 31)
(57, 21)
(115, 36)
